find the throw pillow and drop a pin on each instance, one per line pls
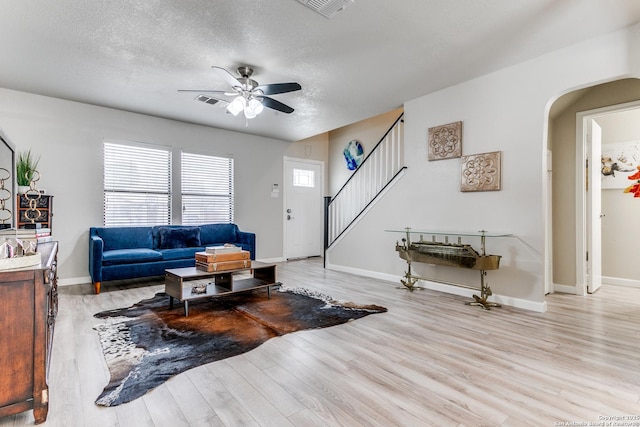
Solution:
(179, 237)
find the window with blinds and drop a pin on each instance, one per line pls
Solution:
(207, 189)
(137, 185)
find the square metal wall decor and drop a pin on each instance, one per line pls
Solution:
(445, 142)
(481, 172)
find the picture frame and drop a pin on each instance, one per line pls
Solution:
(481, 172)
(445, 141)
(619, 160)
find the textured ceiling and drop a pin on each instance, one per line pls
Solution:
(369, 59)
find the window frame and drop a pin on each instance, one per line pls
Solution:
(135, 173)
(180, 174)
(196, 185)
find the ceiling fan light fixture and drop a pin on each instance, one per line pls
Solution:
(249, 114)
(254, 106)
(236, 105)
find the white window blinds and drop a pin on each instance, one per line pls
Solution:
(137, 185)
(207, 189)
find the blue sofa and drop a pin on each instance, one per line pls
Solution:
(117, 253)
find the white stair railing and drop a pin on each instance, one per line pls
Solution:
(376, 171)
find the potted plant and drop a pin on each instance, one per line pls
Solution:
(25, 166)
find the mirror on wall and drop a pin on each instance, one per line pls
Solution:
(7, 182)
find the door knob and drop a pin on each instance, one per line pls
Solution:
(288, 210)
(288, 217)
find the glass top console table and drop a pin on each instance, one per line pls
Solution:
(439, 250)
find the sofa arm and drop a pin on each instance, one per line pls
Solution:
(248, 239)
(96, 248)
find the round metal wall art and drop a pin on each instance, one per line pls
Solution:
(353, 154)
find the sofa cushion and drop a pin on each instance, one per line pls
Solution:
(179, 237)
(180, 253)
(130, 256)
(125, 237)
(211, 234)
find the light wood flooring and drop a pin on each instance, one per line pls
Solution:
(430, 361)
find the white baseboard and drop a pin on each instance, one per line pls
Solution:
(574, 289)
(74, 281)
(271, 260)
(564, 289)
(365, 273)
(540, 307)
(621, 282)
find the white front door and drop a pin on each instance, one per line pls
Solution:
(594, 207)
(303, 211)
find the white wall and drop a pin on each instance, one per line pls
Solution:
(503, 111)
(368, 132)
(69, 135)
(313, 148)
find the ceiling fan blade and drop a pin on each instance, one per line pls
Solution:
(275, 105)
(276, 88)
(221, 92)
(227, 76)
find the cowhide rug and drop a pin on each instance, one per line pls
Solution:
(146, 344)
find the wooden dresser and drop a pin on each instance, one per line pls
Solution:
(28, 309)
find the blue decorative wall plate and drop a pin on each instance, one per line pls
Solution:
(353, 154)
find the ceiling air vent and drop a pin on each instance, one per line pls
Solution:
(206, 99)
(327, 8)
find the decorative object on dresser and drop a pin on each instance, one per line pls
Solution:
(34, 206)
(17, 251)
(35, 211)
(449, 254)
(35, 235)
(26, 171)
(148, 343)
(28, 309)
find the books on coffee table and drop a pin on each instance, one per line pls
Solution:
(223, 249)
(230, 256)
(223, 266)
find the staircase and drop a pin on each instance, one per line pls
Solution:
(379, 169)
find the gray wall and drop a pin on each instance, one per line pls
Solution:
(69, 136)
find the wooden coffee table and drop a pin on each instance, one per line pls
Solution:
(190, 283)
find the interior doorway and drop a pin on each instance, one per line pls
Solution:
(614, 105)
(592, 209)
(303, 208)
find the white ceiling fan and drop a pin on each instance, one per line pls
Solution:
(246, 95)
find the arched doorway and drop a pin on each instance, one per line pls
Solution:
(566, 207)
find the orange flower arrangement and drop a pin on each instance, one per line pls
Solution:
(635, 188)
